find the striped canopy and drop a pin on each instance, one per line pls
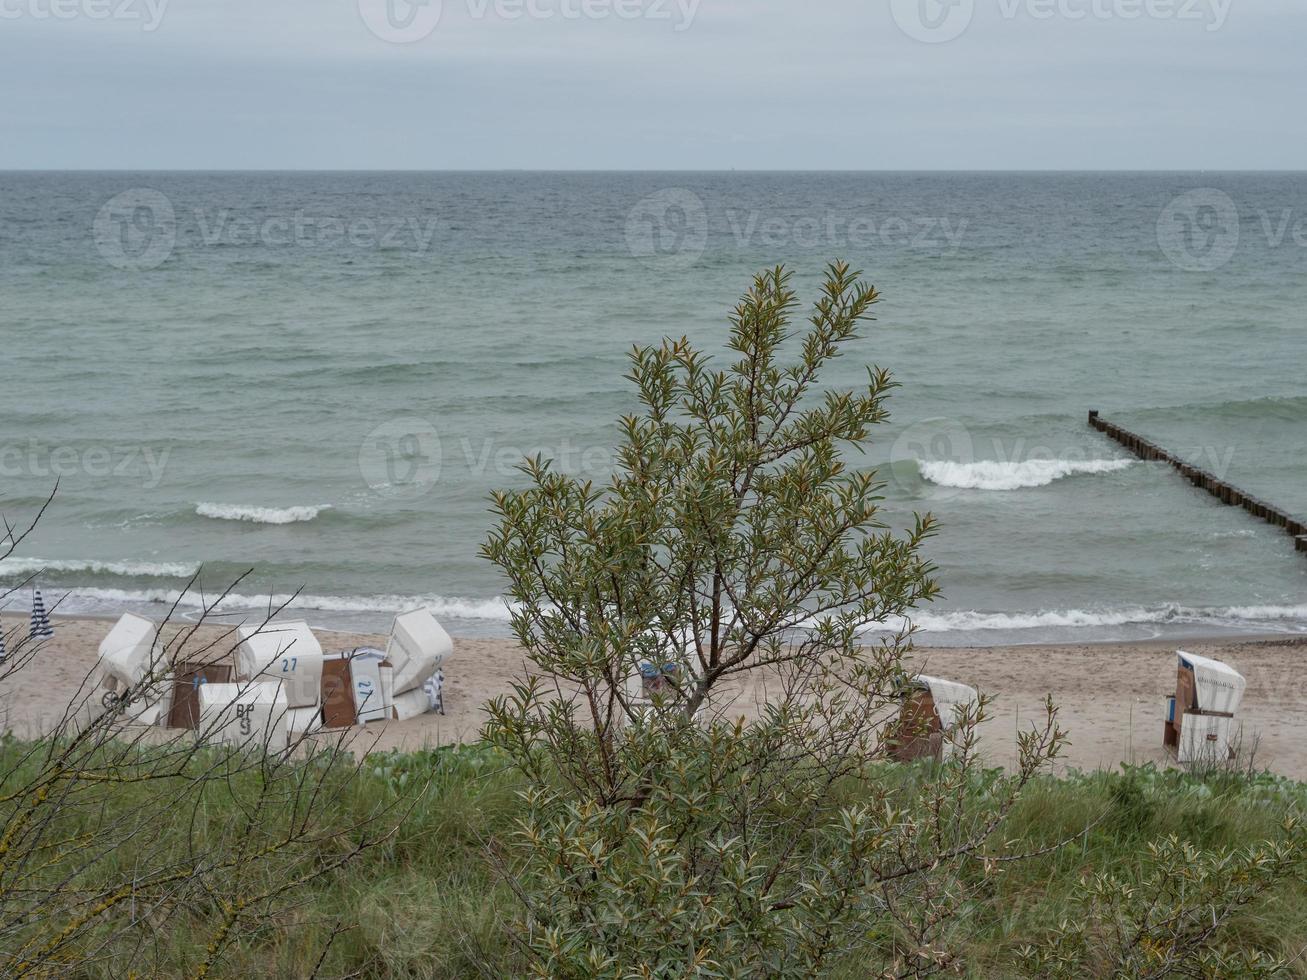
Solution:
(41, 629)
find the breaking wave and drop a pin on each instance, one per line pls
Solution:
(998, 475)
(453, 607)
(970, 621)
(128, 569)
(260, 515)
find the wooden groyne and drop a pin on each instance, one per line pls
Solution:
(1225, 492)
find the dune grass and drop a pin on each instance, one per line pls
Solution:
(428, 904)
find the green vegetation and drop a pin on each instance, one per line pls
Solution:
(428, 902)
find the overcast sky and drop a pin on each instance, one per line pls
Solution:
(653, 84)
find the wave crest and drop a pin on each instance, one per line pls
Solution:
(260, 515)
(452, 607)
(127, 569)
(973, 621)
(998, 475)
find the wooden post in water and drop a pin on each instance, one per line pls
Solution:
(1225, 492)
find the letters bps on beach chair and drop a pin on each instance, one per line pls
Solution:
(288, 653)
(1200, 717)
(250, 716)
(929, 713)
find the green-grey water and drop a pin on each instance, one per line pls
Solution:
(320, 377)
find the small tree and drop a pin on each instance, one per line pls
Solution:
(738, 820)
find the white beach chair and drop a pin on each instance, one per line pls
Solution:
(1200, 725)
(127, 657)
(285, 652)
(125, 652)
(418, 648)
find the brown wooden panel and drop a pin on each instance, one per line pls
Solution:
(1186, 693)
(338, 707)
(917, 733)
(187, 678)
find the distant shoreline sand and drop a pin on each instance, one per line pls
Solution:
(1111, 694)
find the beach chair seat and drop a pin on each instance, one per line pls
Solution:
(411, 704)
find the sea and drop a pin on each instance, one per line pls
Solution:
(302, 387)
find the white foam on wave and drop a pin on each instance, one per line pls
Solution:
(133, 569)
(260, 515)
(971, 621)
(452, 607)
(997, 475)
(1275, 618)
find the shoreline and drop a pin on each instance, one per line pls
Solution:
(1196, 638)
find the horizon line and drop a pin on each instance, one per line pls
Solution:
(673, 170)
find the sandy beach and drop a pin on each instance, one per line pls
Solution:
(1111, 695)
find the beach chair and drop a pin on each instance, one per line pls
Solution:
(288, 653)
(249, 716)
(418, 649)
(126, 657)
(1200, 716)
(125, 652)
(928, 715)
